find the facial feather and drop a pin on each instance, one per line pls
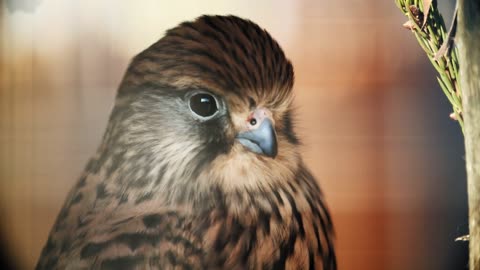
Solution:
(234, 59)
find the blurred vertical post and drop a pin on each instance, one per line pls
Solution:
(469, 48)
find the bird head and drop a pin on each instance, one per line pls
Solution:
(209, 104)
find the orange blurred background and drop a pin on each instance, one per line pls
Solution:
(373, 120)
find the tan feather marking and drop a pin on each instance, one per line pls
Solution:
(258, 171)
(299, 258)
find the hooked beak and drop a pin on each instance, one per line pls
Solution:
(261, 140)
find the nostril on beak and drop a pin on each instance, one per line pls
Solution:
(256, 118)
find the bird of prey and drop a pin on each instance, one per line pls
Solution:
(199, 167)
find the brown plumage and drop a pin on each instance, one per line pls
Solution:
(199, 167)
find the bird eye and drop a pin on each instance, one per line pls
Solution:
(203, 104)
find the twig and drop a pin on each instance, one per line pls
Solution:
(426, 23)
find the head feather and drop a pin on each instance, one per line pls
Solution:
(225, 54)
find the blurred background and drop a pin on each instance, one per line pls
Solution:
(373, 120)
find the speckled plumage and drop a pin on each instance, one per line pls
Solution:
(168, 191)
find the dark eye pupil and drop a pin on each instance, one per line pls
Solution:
(203, 105)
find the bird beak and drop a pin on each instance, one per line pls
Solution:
(262, 138)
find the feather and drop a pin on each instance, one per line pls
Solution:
(168, 190)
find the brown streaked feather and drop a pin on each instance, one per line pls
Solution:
(220, 53)
(164, 192)
(293, 232)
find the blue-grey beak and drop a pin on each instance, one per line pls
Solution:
(262, 140)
